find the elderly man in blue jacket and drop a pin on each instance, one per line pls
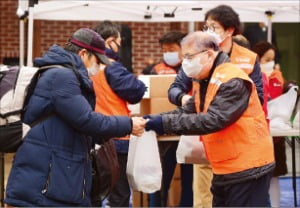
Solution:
(52, 167)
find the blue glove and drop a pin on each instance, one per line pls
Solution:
(147, 117)
(155, 124)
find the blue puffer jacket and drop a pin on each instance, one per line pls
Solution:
(52, 166)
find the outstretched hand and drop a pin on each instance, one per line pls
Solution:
(138, 125)
(155, 124)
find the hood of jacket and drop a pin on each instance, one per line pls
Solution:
(56, 55)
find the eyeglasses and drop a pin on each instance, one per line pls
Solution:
(212, 28)
(190, 56)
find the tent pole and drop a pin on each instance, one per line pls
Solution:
(191, 27)
(30, 37)
(269, 29)
(21, 58)
(269, 16)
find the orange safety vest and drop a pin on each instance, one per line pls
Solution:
(162, 68)
(107, 102)
(243, 58)
(246, 143)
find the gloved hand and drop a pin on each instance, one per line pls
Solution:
(155, 124)
(147, 116)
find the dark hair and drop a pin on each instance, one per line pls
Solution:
(172, 37)
(262, 47)
(226, 16)
(241, 40)
(108, 29)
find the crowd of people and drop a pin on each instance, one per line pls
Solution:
(221, 89)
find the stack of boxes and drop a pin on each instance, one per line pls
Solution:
(155, 99)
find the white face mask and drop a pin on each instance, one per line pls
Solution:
(268, 67)
(216, 35)
(94, 69)
(192, 68)
(171, 58)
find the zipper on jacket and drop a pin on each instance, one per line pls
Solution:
(48, 180)
(83, 192)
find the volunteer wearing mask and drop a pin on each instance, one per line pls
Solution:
(275, 81)
(115, 87)
(170, 45)
(266, 54)
(223, 23)
(227, 113)
(171, 64)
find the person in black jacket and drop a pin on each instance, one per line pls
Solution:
(224, 104)
(115, 87)
(223, 22)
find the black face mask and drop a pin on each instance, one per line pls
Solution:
(118, 46)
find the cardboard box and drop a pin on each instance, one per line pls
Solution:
(155, 106)
(175, 188)
(157, 85)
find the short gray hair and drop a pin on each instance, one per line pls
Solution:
(201, 41)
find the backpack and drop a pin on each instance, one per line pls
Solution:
(16, 87)
(105, 171)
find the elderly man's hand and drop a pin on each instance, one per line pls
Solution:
(138, 125)
(155, 124)
(184, 99)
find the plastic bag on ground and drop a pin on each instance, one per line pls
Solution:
(144, 171)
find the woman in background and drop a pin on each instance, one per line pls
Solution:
(266, 54)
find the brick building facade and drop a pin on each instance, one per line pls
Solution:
(144, 35)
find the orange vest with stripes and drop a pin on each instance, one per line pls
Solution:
(246, 143)
(162, 68)
(107, 102)
(243, 58)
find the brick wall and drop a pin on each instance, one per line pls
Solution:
(9, 31)
(144, 35)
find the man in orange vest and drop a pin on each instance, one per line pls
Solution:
(228, 115)
(171, 62)
(223, 22)
(114, 87)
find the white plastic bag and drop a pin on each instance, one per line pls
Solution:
(144, 167)
(190, 150)
(281, 108)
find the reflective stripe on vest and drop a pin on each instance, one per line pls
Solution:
(162, 68)
(243, 58)
(107, 102)
(246, 143)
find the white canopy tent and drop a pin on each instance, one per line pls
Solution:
(152, 11)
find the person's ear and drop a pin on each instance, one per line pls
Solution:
(82, 52)
(209, 54)
(230, 31)
(109, 40)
